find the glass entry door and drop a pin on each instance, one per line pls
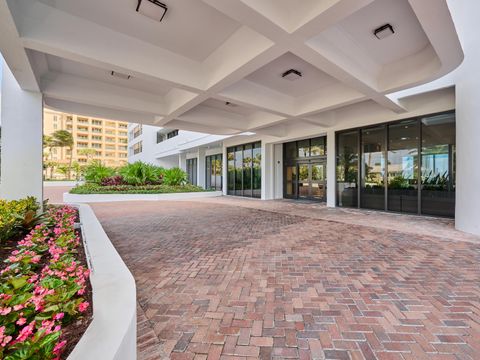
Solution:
(311, 181)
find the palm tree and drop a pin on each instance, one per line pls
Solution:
(48, 143)
(63, 138)
(88, 153)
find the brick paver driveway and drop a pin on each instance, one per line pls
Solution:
(218, 280)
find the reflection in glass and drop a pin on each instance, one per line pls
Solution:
(247, 170)
(317, 181)
(303, 181)
(230, 172)
(291, 181)
(304, 148)
(403, 166)
(257, 169)
(347, 169)
(239, 171)
(317, 147)
(438, 164)
(373, 168)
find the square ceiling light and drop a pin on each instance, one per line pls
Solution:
(292, 74)
(153, 9)
(384, 31)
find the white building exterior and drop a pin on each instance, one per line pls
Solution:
(222, 73)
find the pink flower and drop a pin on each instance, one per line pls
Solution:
(59, 347)
(5, 311)
(59, 316)
(21, 321)
(83, 306)
(25, 333)
(18, 307)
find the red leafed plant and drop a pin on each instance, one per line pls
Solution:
(113, 181)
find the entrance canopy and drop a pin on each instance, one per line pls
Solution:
(226, 66)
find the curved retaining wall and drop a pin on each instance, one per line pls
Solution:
(112, 334)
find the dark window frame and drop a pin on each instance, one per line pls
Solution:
(253, 190)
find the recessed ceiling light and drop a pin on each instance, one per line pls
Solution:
(120, 75)
(153, 9)
(384, 31)
(292, 74)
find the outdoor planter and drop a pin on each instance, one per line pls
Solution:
(112, 332)
(93, 198)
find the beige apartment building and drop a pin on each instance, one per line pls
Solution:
(107, 138)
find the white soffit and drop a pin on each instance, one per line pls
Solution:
(206, 53)
(190, 27)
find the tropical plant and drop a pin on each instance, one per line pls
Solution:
(63, 138)
(140, 173)
(175, 177)
(95, 172)
(113, 181)
(18, 217)
(49, 144)
(50, 165)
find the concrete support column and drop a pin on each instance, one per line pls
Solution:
(201, 167)
(268, 171)
(331, 162)
(278, 191)
(467, 202)
(224, 170)
(182, 161)
(22, 131)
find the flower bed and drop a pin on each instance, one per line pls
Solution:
(45, 294)
(92, 188)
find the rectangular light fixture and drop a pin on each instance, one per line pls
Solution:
(153, 9)
(384, 31)
(120, 75)
(292, 74)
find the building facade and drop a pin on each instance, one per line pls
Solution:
(367, 104)
(106, 140)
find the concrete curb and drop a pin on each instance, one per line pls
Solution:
(112, 334)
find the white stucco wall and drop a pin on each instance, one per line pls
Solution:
(22, 129)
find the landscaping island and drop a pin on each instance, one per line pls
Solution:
(134, 178)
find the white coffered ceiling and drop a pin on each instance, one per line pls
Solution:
(215, 65)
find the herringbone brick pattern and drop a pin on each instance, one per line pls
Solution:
(217, 281)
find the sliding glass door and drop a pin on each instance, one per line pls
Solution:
(192, 171)
(372, 195)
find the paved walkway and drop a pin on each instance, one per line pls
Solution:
(241, 279)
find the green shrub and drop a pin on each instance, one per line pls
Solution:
(95, 172)
(18, 217)
(134, 189)
(175, 177)
(140, 173)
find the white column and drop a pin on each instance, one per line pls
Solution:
(182, 161)
(22, 131)
(331, 178)
(201, 167)
(467, 202)
(224, 170)
(278, 159)
(268, 171)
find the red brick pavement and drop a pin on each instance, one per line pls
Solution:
(221, 281)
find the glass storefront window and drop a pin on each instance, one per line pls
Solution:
(347, 169)
(230, 172)
(257, 170)
(438, 164)
(373, 168)
(244, 176)
(213, 172)
(304, 148)
(403, 140)
(401, 153)
(317, 147)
